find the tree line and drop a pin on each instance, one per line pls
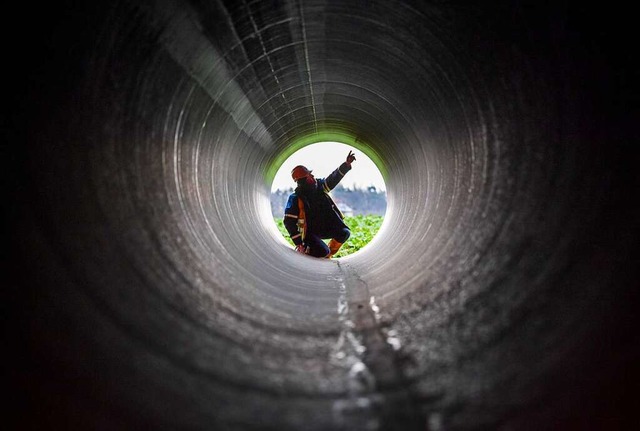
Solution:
(356, 201)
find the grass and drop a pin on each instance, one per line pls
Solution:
(363, 229)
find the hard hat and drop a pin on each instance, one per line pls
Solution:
(299, 172)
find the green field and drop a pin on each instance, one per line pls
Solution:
(363, 228)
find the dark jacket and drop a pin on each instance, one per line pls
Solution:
(322, 217)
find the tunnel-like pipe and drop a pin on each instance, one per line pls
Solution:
(150, 287)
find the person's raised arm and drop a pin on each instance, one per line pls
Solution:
(334, 178)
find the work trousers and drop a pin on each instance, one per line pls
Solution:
(316, 245)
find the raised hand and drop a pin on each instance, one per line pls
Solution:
(351, 157)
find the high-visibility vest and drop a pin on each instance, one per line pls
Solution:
(302, 222)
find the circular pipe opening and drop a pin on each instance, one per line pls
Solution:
(360, 192)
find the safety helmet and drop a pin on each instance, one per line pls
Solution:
(299, 172)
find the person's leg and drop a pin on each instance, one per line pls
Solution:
(342, 235)
(316, 246)
(338, 239)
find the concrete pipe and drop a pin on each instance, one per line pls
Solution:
(151, 289)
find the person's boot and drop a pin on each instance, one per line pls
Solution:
(334, 246)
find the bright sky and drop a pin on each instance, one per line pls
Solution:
(323, 158)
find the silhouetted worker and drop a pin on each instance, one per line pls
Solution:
(311, 215)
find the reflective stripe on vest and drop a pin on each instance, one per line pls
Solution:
(301, 218)
(335, 206)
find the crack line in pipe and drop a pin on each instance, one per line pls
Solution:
(372, 356)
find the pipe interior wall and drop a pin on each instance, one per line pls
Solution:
(151, 288)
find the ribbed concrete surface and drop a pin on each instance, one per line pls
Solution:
(151, 288)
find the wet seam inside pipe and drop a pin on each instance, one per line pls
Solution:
(371, 354)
